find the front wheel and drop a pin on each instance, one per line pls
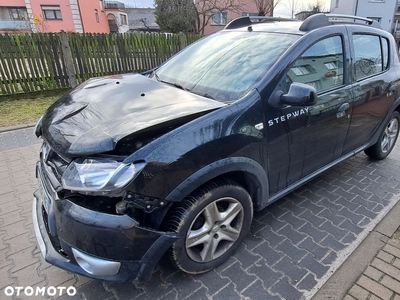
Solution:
(211, 225)
(386, 140)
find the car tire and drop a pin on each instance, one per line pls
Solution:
(211, 223)
(387, 138)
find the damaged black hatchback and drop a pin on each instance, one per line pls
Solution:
(176, 160)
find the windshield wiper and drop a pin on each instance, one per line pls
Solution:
(156, 76)
(206, 95)
(179, 86)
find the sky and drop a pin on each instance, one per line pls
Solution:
(281, 9)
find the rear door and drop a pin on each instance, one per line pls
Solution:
(373, 93)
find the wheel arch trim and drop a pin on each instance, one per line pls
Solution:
(249, 167)
(395, 107)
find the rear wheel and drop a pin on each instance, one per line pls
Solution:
(386, 140)
(211, 225)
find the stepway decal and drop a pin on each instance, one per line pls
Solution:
(288, 116)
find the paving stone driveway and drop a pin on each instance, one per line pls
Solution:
(292, 249)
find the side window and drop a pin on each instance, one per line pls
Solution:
(320, 66)
(385, 51)
(368, 55)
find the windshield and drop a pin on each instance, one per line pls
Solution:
(225, 65)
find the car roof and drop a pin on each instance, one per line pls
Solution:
(291, 26)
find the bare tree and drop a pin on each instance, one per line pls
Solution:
(266, 7)
(206, 9)
(292, 6)
(311, 9)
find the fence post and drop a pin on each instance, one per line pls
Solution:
(182, 40)
(68, 60)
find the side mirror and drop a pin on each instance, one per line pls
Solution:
(300, 94)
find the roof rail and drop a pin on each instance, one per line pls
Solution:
(249, 20)
(320, 20)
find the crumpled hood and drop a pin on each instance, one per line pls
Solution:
(97, 114)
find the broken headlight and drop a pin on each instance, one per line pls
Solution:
(99, 174)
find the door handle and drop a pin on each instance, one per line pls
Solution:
(342, 111)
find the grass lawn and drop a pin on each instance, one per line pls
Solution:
(23, 109)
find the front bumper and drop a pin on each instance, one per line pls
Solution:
(94, 244)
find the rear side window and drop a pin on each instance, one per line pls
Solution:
(371, 55)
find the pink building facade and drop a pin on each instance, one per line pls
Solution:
(53, 16)
(219, 19)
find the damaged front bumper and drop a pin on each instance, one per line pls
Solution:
(94, 244)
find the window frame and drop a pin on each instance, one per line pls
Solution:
(20, 11)
(123, 19)
(222, 21)
(54, 9)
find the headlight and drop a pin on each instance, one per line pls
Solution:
(99, 174)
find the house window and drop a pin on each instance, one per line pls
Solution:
(123, 19)
(17, 13)
(219, 18)
(51, 12)
(96, 14)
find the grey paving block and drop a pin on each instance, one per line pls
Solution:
(267, 275)
(335, 231)
(268, 253)
(315, 220)
(314, 233)
(227, 292)
(307, 283)
(332, 217)
(296, 222)
(245, 257)
(271, 237)
(256, 291)
(313, 265)
(333, 244)
(238, 276)
(294, 235)
(315, 249)
(290, 269)
(286, 290)
(292, 251)
(213, 281)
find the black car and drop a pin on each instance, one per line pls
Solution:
(177, 159)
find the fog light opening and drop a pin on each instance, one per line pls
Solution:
(84, 264)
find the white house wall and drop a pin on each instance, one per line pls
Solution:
(367, 8)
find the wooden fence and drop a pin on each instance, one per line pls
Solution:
(47, 61)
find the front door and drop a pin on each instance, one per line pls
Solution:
(301, 140)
